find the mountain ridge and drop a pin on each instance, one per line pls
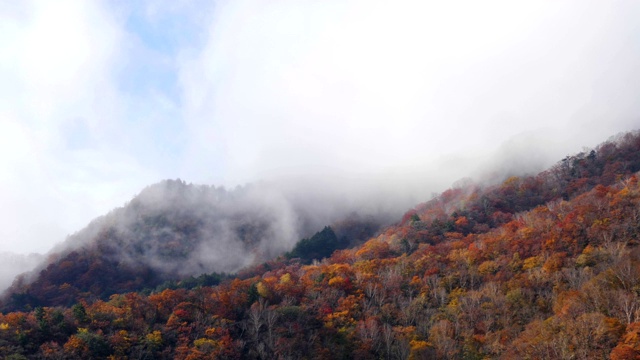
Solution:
(172, 230)
(540, 266)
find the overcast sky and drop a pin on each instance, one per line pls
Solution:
(101, 98)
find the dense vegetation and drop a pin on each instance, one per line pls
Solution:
(319, 246)
(171, 231)
(540, 267)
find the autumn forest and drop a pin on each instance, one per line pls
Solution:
(543, 266)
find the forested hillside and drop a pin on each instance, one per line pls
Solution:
(173, 230)
(537, 267)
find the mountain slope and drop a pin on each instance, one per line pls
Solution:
(479, 272)
(12, 265)
(170, 231)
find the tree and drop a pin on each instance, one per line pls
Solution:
(320, 245)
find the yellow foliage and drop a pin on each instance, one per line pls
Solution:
(263, 290)
(210, 332)
(285, 279)
(600, 223)
(339, 319)
(417, 345)
(488, 267)
(338, 269)
(532, 262)
(205, 343)
(154, 338)
(120, 342)
(454, 295)
(588, 256)
(4, 326)
(336, 281)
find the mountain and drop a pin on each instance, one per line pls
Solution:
(173, 230)
(12, 264)
(536, 267)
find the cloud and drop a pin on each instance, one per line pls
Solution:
(62, 121)
(397, 99)
(377, 89)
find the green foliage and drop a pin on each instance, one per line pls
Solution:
(79, 313)
(96, 343)
(16, 357)
(253, 294)
(319, 246)
(190, 282)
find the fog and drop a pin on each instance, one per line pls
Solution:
(174, 229)
(377, 103)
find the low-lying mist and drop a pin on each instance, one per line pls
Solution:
(12, 264)
(181, 229)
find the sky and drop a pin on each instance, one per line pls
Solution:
(100, 98)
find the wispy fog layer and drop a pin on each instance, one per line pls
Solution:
(12, 265)
(376, 103)
(182, 229)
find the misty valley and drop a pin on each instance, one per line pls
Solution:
(538, 266)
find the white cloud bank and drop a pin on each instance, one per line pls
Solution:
(61, 120)
(378, 87)
(404, 96)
